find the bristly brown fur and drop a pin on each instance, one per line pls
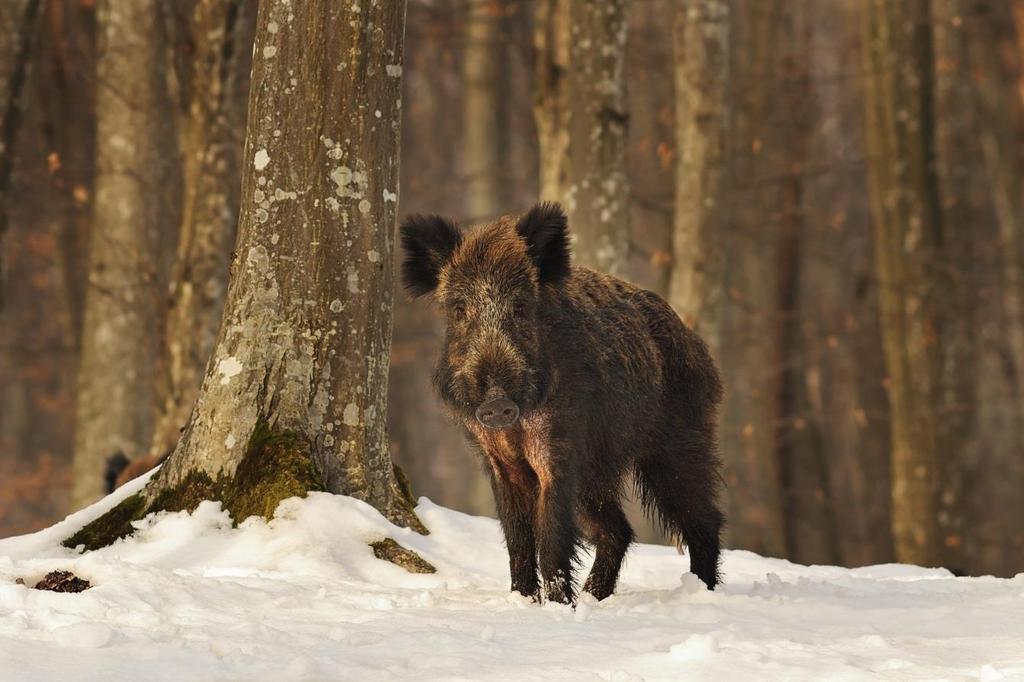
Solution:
(608, 381)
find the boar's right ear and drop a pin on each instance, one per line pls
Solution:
(428, 241)
(545, 229)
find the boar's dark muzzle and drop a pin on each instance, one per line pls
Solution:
(497, 411)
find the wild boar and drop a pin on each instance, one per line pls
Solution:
(569, 380)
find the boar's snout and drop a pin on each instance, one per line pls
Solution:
(497, 411)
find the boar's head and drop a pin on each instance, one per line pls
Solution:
(492, 284)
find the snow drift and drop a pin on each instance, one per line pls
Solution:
(302, 597)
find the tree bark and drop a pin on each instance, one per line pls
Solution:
(39, 324)
(957, 155)
(551, 94)
(222, 37)
(702, 50)
(749, 334)
(991, 274)
(295, 393)
(1001, 133)
(486, 117)
(652, 150)
(135, 149)
(804, 465)
(596, 193)
(841, 368)
(18, 19)
(898, 54)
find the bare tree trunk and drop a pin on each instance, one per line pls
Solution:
(69, 95)
(51, 154)
(841, 368)
(18, 20)
(908, 236)
(122, 311)
(992, 37)
(1001, 132)
(702, 49)
(486, 123)
(295, 393)
(652, 151)
(222, 35)
(551, 94)
(596, 192)
(749, 331)
(804, 465)
(957, 154)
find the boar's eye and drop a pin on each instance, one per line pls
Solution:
(519, 308)
(458, 311)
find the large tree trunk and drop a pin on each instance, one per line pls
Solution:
(17, 33)
(596, 192)
(295, 393)
(133, 213)
(222, 36)
(908, 236)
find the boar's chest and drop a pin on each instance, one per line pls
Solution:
(520, 454)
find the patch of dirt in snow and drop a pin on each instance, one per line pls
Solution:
(303, 596)
(62, 581)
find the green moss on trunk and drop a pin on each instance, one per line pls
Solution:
(186, 496)
(277, 465)
(115, 524)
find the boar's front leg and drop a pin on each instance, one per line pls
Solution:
(557, 535)
(515, 503)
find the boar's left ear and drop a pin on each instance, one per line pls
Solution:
(545, 229)
(429, 242)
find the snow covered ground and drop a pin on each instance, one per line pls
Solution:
(302, 597)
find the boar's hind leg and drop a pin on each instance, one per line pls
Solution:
(680, 483)
(607, 528)
(516, 509)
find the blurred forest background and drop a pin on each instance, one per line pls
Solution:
(830, 191)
